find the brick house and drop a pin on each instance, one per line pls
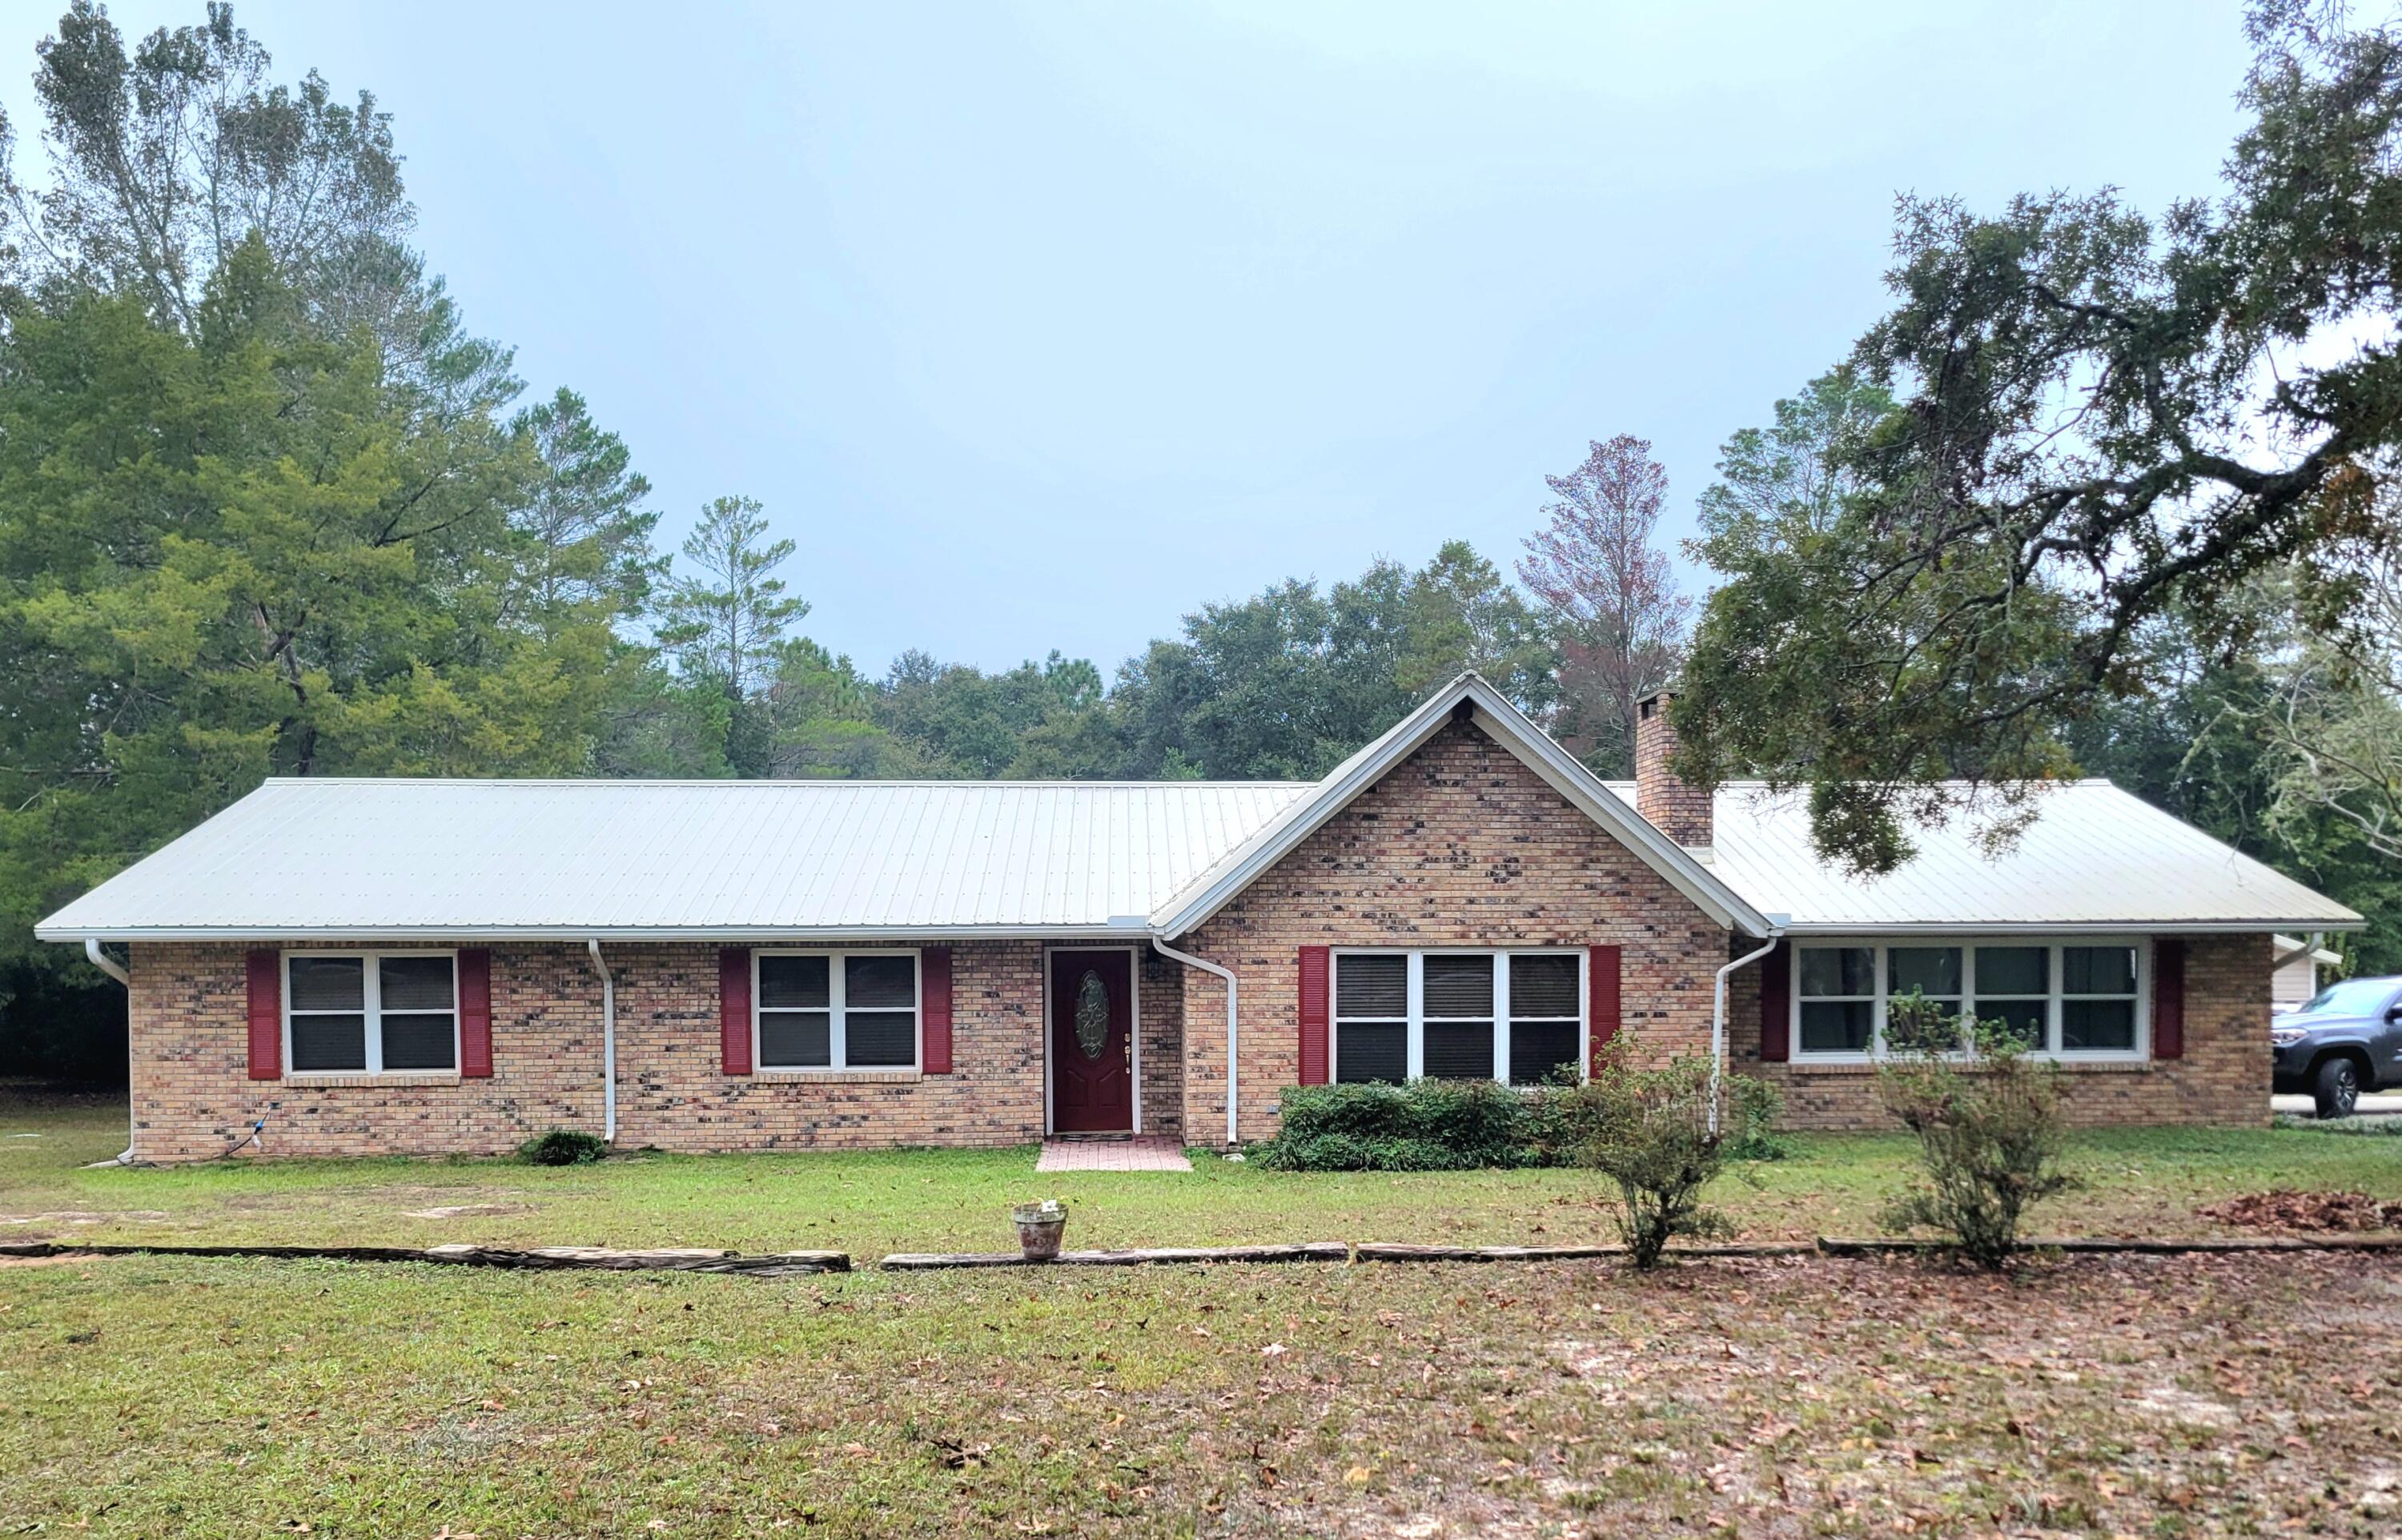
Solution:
(352, 967)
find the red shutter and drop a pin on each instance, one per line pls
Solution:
(1313, 1015)
(1601, 989)
(935, 967)
(1777, 1005)
(734, 1010)
(475, 1013)
(266, 1014)
(2168, 998)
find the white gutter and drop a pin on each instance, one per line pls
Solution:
(1234, 1136)
(107, 965)
(608, 1045)
(1718, 1014)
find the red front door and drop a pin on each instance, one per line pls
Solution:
(1092, 1042)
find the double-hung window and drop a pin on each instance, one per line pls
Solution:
(835, 1010)
(370, 1012)
(1512, 1016)
(2079, 999)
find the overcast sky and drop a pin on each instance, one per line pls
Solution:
(1040, 326)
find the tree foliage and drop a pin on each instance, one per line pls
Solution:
(2096, 417)
(1609, 595)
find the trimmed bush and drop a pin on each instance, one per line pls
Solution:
(1427, 1125)
(563, 1146)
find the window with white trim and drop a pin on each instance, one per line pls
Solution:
(1517, 1017)
(835, 1009)
(370, 1012)
(2073, 999)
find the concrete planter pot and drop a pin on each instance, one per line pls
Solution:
(1039, 1226)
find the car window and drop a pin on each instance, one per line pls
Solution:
(2352, 997)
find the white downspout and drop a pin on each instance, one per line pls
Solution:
(608, 1044)
(1717, 1015)
(107, 965)
(1233, 1134)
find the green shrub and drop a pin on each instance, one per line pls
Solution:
(1427, 1125)
(563, 1146)
(1648, 1130)
(1753, 1107)
(1988, 1124)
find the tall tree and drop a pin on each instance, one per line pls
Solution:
(2098, 417)
(724, 622)
(1611, 594)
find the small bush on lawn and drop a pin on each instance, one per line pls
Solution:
(1648, 1130)
(563, 1146)
(1427, 1125)
(1988, 1124)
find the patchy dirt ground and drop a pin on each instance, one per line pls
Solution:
(2304, 1211)
(2150, 1395)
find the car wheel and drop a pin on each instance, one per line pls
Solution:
(2337, 1089)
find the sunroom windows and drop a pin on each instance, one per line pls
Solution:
(835, 1010)
(1512, 1016)
(2067, 998)
(370, 1012)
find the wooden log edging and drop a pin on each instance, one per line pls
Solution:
(1305, 1251)
(1403, 1251)
(605, 1258)
(2092, 1245)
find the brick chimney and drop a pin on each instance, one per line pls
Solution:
(1677, 810)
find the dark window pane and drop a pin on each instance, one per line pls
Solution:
(1929, 969)
(329, 983)
(321, 1043)
(794, 1040)
(1459, 986)
(879, 981)
(2096, 1025)
(1838, 971)
(415, 984)
(879, 1040)
(1371, 1052)
(2025, 1020)
(2097, 969)
(1836, 1026)
(423, 1041)
(792, 984)
(1536, 1048)
(1542, 986)
(1372, 986)
(1459, 1051)
(2013, 970)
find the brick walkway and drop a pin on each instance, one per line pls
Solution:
(1145, 1154)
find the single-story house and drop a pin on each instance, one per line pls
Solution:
(2300, 966)
(346, 967)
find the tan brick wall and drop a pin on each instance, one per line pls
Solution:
(194, 1097)
(1459, 845)
(2222, 1081)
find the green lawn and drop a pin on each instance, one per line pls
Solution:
(2145, 1182)
(2163, 1397)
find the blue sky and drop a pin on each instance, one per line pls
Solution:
(1039, 326)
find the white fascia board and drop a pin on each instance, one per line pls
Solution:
(1522, 738)
(2068, 928)
(590, 932)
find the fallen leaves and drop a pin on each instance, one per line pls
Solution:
(2311, 1212)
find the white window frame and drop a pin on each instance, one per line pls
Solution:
(838, 1036)
(371, 1004)
(2057, 977)
(1413, 1024)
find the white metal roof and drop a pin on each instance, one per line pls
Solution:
(2095, 857)
(720, 859)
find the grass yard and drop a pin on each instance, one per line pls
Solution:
(2153, 1397)
(2142, 1182)
(2160, 1396)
